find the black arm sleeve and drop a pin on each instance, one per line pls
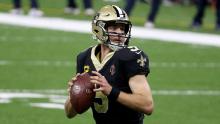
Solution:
(79, 64)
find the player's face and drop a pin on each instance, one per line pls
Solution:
(116, 33)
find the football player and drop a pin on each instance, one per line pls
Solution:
(118, 71)
(34, 11)
(72, 7)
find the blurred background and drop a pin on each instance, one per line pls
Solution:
(172, 14)
(37, 62)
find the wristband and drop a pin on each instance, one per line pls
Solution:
(114, 94)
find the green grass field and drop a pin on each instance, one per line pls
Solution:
(38, 59)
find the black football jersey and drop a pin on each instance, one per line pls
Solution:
(117, 67)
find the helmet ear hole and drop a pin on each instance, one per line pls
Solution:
(99, 32)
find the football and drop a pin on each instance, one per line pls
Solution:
(82, 93)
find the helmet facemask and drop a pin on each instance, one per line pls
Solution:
(124, 37)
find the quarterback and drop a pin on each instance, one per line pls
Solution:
(119, 71)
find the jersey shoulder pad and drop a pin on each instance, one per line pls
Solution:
(130, 53)
(80, 60)
(82, 55)
(133, 61)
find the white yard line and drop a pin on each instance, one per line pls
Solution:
(48, 105)
(72, 63)
(187, 92)
(60, 93)
(46, 23)
(37, 63)
(137, 32)
(56, 98)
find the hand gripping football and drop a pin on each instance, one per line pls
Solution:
(82, 93)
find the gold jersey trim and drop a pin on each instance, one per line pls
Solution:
(99, 65)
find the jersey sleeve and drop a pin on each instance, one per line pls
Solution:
(134, 62)
(80, 61)
(79, 64)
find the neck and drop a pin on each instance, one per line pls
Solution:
(104, 51)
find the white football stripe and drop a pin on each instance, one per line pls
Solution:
(119, 10)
